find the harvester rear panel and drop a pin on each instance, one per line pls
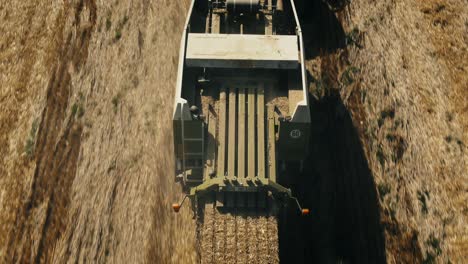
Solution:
(241, 104)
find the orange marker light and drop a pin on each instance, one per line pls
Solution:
(176, 207)
(305, 211)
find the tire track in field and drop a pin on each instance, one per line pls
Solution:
(56, 151)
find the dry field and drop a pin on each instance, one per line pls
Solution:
(401, 71)
(86, 98)
(86, 171)
(413, 94)
(237, 236)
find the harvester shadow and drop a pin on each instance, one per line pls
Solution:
(336, 183)
(338, 187)
(322, 31)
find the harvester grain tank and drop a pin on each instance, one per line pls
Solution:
(241, 103)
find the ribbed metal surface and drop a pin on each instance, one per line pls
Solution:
(242, 134)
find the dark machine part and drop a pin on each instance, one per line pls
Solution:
(241, 6)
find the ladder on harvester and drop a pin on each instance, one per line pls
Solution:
(193, 149)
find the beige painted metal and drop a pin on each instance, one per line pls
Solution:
(242, 51)
(232, 133)
(222, 132)
(211, 148)
(295, 92)
(216, 24)
(261, 130)
(251, 133)
(279, 5)
(241, 135)
(271, 144)
(268, 25)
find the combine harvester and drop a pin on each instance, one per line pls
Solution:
(241, 105)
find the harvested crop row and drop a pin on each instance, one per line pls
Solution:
(237, 236)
